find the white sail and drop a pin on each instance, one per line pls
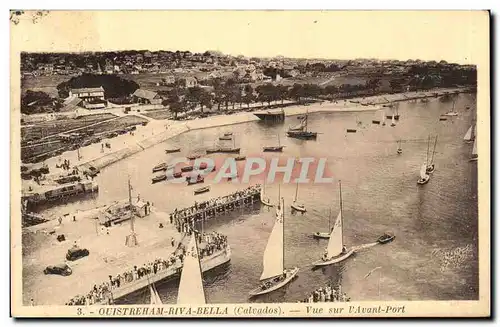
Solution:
(273, 254)
(392, 120)
(383, 116)
(474, 148)
(335, 243)
(423, 171)
(191, 284)
(155, 297)
(468, 135)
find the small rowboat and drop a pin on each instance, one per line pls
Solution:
(193, 156)
(173, 150)
(273, 148)
(443, 118)
(240, 158)
(376, 122)
(202, 190)
(386, 238)
(160, 167)
(187, 168)
(321, 235)
(350, 130)
(226, 138)
(223, 150)
(228, 134)
(159, 178)
(178, 174)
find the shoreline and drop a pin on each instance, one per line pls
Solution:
(175, 128)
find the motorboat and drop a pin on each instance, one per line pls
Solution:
(202, 190)
(323, 235)
(159, 178)
(386, 238)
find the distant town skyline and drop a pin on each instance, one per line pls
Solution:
(327, 35)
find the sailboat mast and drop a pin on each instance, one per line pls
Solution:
(283, 229)
(130, 206)
(296, 191)
(434, 150)
(427, 157)
(341, 211)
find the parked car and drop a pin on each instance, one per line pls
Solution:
(76, 253)
(62, 269)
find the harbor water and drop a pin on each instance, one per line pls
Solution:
(434, 255)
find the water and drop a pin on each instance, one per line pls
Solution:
(434, 256)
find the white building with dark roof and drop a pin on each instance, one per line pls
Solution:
(88, 93)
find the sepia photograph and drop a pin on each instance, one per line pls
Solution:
(250, 163)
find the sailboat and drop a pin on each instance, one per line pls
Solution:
(474, 151)
(424, 177)
(383, 118)
(300, 126)
(336, 250)
(263, 200)
(400, 149)
(430, 166)
(278, 148)
(452, 112)
(325, 234)
(303, 133)
(274, 274)
(154, 296)
(470, 135)
(393, 123)
(191, 289)
(295, 205)
(395, 116)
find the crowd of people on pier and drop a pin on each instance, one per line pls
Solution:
(208, 244)
(327, 294)
(184, 218)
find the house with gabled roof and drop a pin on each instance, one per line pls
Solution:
(146, 97)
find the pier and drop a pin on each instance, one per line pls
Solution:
(209, 209)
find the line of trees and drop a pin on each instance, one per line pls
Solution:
(226, 94)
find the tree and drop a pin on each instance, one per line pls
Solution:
(249, 96)
(297, 92)
(373, 84)
(114, 86)
(32, 100)
(175, 108)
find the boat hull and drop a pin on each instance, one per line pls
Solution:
(386, 240)
(339, 258)
(173, 150)
(260, 291)
(273, 149)
(201, 190)
(302, 135)
(207, 264)
(430, 169)
(298, 208)
(351, 130)
(321, 235)
(422, 181)
(236, 150)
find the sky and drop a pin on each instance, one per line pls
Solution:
(454, 36)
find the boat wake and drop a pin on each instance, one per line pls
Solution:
(364, 246)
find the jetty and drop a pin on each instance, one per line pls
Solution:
(216, 207)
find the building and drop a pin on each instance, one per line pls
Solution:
(88, 93)
(146, 97)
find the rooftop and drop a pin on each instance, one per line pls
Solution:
(145, 94)
(87, 90)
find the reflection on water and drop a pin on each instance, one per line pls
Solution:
(379, 191)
